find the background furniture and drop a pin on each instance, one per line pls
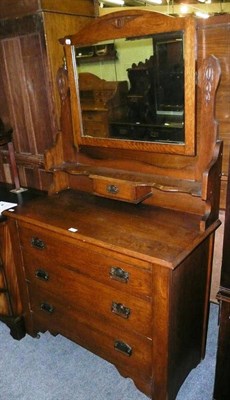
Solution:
(222, 387)
(6, 139)
(140, 119)
(30, 55)
(101, 102)
(10, 303)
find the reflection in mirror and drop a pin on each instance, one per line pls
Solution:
(133, 89)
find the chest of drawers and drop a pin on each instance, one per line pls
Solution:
(131, 287)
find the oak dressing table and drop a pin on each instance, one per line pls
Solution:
(118, 256)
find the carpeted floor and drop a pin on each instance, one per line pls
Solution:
(54, 368)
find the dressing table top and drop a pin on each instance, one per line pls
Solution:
(151, 234)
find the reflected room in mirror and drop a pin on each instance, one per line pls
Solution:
(133, 89)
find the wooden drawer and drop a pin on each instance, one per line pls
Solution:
(118, 189)
(81, 259)
(83, 293)
(95, 334)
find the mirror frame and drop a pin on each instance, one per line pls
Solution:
(127, 24)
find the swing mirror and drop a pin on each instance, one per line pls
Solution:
(135, 91)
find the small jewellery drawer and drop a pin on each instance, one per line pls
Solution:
(119, 189)
(89, 296)
(116, 345)
(102, 268)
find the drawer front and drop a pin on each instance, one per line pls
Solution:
(99, 267)
(115, 345)
(85, 294)
(118, 189)
(113, 189)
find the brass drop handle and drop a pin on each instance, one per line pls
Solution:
(112, 189)
(38, 243)
(47, 308)
(119, 274)
(41, 274)
(120, 309)
(123, 347)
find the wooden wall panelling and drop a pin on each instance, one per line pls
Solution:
(15, 8)
(25, 90)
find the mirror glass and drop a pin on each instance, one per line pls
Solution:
(133, 89)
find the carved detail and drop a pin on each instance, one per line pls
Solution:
(210, 78)
(62, 83)
(120, 22)
(209, 73)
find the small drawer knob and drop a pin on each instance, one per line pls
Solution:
(38, 243)
(119, 274)
(112, 189)
(41, 274)
(47, 308)
(123, 347)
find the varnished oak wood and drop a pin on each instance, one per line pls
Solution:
(132, 220)
(129, 282)
(213, 38)
(161, 262)
(198, 174)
